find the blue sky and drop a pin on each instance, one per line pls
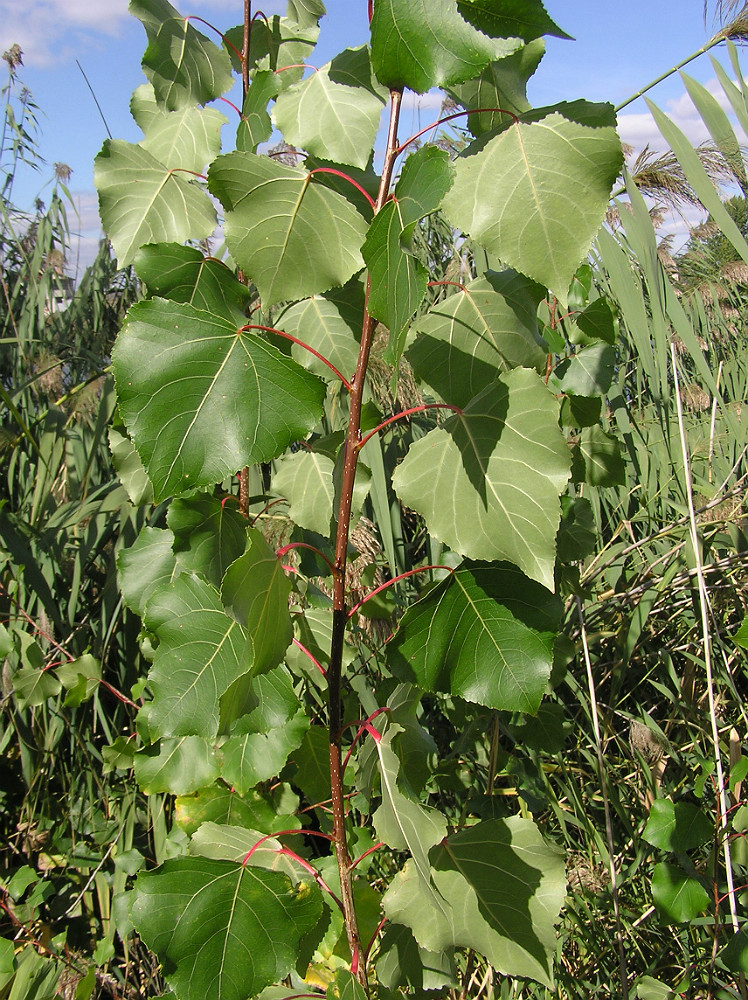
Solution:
(618, 49)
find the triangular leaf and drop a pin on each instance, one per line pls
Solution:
(536, 194)
(184, 66)
(187, 139)
(422, 44)
(200, 654)
(468, 339)
(679, 898)
(335, 112)
(142, 200)
(677, 826)
(331, 324)
(526, 19)
(292, 237)
(485, 634)
(488, 482)
(185, 275)
(200, 364)
(222, 930)
(305, 480)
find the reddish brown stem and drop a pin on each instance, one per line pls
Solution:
(457, 284)
(448, 118)
(340, 617)
(295, 340)
(303, 545)
(245, 46)
(394, 580)
(346, 177)
(407, 413)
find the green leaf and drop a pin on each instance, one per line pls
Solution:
(400, 821)
(402, 963)
(488, 481)
(597, 459)
(256, 126)
(398, 279)
(331, 324)
(501, 85)
(142, 200)
(146, 566)
(468, 339)
(677, 826)
(597, 321)
(507, 887)
(485, 634)
(420, 44)
(313, 765)
(678, 897)
(187, 139)
(128, 466)
(648, 988)
(176, 766)
(535, 195)
(335, 112)
(80, 678)
(261, 742)
(267, 813)
(32, 686)
(222, 930)
(255, 591)
(741, 636)
(208, 535)
(588, 373)
(200, 368)
(292, 237)
(201, 652)
(233, 843)
(735, 953)
(278, 43)
(305, 480)
(577, 535)
(306, 13)
(183, 65)
(526, 19)
(185, 275)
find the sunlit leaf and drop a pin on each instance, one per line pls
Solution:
(177, 766)
(184, 66)
(536, 194)
(222, 930)
(485, 634)
(677, 826)
(335, 112)
(148, 564)
(291, 236)
(488, 481)
(468, 339)
(422, 44)
(678, 897)
(331, 324)
(201, 369)
(142, 200)
(188, 138)
(526, 19)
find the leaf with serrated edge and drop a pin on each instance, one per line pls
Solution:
(148, 564)
(506, 887)
(501, 85)
(305, 480)
(536, 194)
(588, 373)
(222, 930)
(420, 44)
(208, 535)
(211, 399)
(188, 138)
(183, 274)
(176, 766)
(142, 200)
(525, 19)
(488, 481)
(292, 237)
(331, 324)
(467, 340)
(184, 66)
(335, 112)
(484, 634)
(201, 652)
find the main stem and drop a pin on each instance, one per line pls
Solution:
(340, 617)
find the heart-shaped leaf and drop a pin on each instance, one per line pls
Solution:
(222, 930)
(292, 237)
(142, 200)
(488, 481)
(202, 366)
(485, 634)
(536, 194)
(184, 66)
(422, 44)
